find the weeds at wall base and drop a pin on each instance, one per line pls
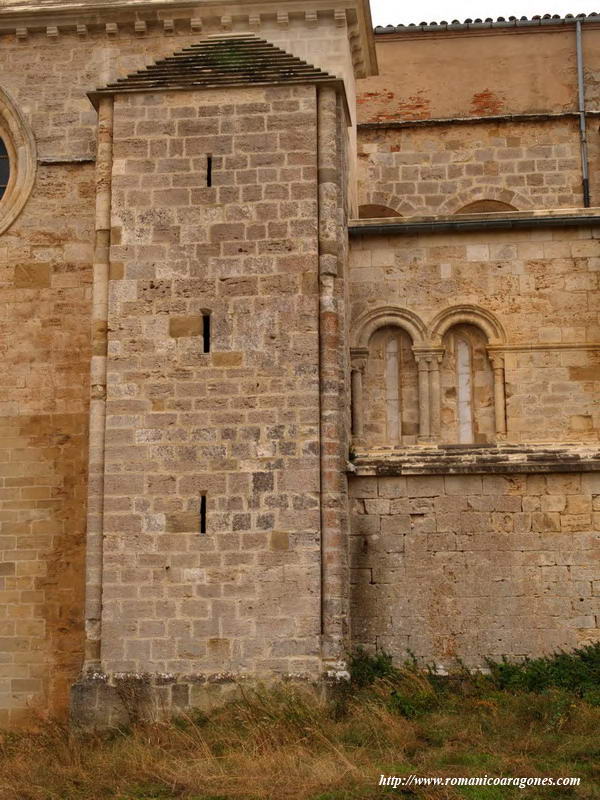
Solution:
(294, 742)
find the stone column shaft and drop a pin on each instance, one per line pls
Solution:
(357, 403)
(499, 394)
(424, 409)
(358, 366)
(435, 391)
(97, 417)
(333, 444)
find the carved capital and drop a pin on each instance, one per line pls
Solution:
(429, 357)
(496, 360)
(358, 358)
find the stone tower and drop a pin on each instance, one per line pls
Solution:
(217, 511)
(196, 214)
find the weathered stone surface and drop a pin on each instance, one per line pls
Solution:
(470, 537)
(473, 584)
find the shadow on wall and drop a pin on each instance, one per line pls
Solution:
(485, 207)
(374, 211)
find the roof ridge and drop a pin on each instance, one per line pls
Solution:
(227, 35)
(537, 20)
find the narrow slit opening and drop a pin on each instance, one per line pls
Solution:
(203, 513)
(209, 166)
(206, 332)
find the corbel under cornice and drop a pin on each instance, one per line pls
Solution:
(152, 17)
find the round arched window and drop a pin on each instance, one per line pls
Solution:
(17, 161)
(4, 168)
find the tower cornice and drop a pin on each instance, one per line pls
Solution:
(149, 17)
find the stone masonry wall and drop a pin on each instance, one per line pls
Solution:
(239, 424)
(475, 566)
(45, 290)
(474, 73)
(45, 295)
(49, 76)
(441, 168)
(542, 287)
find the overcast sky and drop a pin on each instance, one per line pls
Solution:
(392, 12)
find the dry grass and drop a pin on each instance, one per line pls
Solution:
(290, 743)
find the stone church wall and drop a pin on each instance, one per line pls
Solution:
(46, 268)
(475, 566)
(46, 258)
(511, 129)
(541, 286)
(439, 169)
(443, 565)
(45, 296)
(479, 73)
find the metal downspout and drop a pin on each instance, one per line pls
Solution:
(585, 179)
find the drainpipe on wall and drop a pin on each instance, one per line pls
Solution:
(585, 179)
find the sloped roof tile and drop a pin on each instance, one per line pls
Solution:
(220, 61)
(538, 20)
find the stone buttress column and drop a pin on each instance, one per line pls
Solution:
(97, 414)
(334, 579)
(497, 361)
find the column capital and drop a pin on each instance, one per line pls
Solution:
(358, 358)
(496, 359)
(429, 355)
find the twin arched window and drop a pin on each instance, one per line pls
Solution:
(446, 395)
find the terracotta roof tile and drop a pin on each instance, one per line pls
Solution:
(500, 22)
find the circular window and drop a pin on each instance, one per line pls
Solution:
(4, 168)
(17, 161)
